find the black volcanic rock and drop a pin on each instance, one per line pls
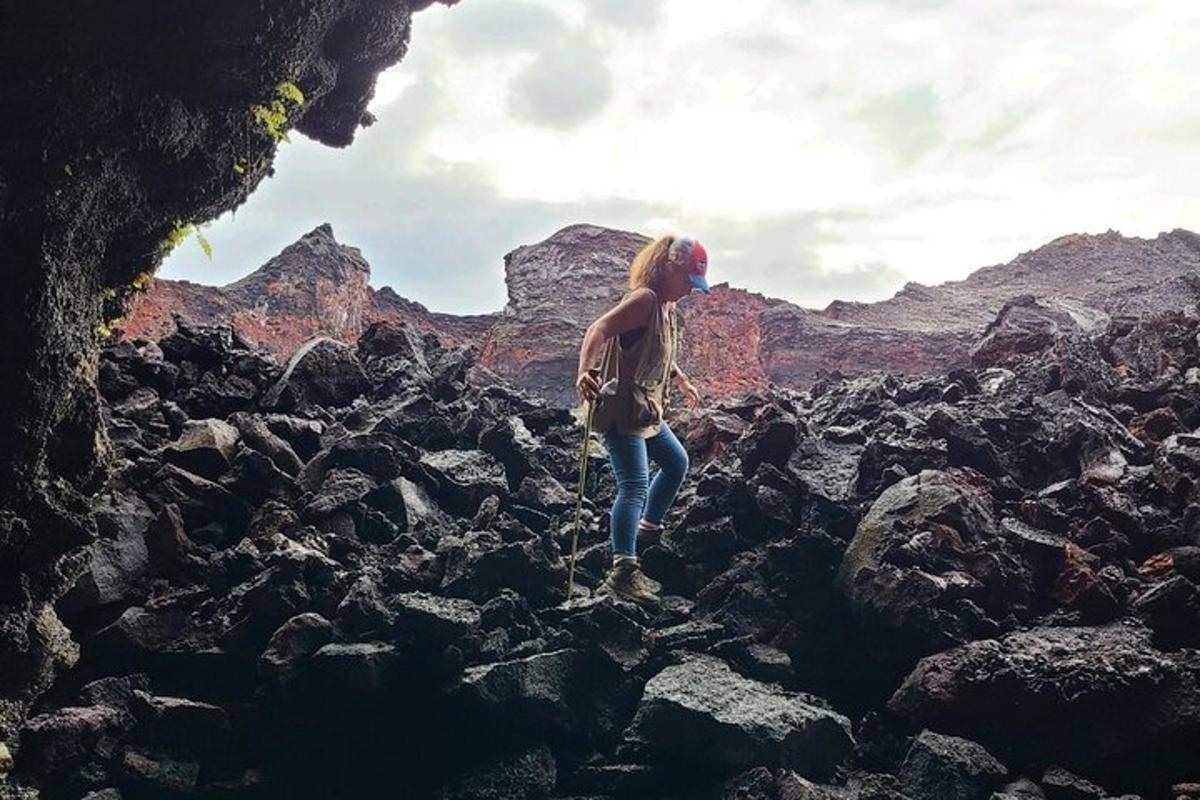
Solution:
(375, 585)
(206, 447)
(703, 712)
(540, 692)
(119, 557)
(322, 372)
(928, 560)
(291, 645)
(1053, 694)
(1172, 610)
(530, 773)
(939, 767)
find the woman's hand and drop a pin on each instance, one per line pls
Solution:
(587, 385)
(690, 392)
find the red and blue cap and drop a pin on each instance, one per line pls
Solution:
(695, 257)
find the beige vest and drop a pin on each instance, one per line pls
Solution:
(643, 372)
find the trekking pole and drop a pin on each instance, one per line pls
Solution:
(607, 389)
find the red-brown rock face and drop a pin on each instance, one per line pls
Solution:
(733, 340)
(556, 288)
(314, 287)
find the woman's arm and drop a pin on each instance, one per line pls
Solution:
(634, 310)
(685, 385)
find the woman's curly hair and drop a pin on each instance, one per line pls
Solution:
(650, 266)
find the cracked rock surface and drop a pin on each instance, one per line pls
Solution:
(955, 586)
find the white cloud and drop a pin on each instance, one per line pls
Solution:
(908, 121)
(627, 15)
(565, 86)
(876, 140)
(500, 26)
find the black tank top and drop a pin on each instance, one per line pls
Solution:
(629, 337)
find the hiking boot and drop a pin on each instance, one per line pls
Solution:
(654, 586)
(626, 580)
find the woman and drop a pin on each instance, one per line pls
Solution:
(635, 342)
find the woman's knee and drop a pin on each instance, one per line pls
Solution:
(675, 461)
(681, 460)
(633, 486)
(671, 453)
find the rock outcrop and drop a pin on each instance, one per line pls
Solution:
(734, 341)
(310, 579)
(313, 287)
(1047, 694)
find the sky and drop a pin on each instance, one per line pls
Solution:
(820, 149)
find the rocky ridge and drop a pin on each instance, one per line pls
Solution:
(346, 574)
(315, 286)
(735, 341)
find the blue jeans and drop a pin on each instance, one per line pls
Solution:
(638, 495)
